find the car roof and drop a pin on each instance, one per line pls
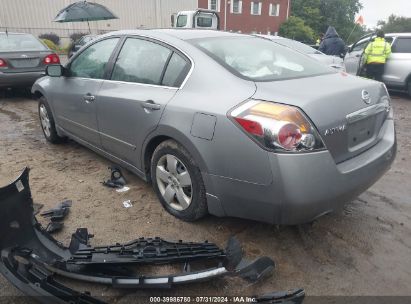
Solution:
(398, 34)
(182, 34)
(272, 37)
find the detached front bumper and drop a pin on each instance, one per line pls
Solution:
(32, 260)
(23, 79)
(305, 186)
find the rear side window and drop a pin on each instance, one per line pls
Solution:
(402, 45)
(141, 61)
(176, 72)
(182, 21)
(92, 62)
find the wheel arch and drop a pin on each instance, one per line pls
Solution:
(407, 82)
(161, 134)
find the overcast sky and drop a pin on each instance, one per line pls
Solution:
(375, 10)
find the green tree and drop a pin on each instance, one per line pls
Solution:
(295, 28)
(396, 24)
(319, 14)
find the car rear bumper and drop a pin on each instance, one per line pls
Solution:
(23, 79)
(305, 186)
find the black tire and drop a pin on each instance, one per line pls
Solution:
(409, 87)
(50, 134)
(198, 206)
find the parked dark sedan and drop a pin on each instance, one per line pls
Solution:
(23, 59)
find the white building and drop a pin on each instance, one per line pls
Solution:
(35, 16)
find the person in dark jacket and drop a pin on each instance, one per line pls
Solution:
(332, 44)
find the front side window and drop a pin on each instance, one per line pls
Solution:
(236, 6)
(402, 45)
(141, 61)
(182, 21)
(20, 42)
(259, 59)
(274, 10)
(92, 62)
(214, 5)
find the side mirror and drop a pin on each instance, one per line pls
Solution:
(55, 70)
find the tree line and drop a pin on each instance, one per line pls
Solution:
(310, 19)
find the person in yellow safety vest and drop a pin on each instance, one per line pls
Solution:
(376, 55)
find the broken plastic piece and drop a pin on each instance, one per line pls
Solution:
(256, 270)
(59, 212)
(38, 282)
(53, 227)
(127, 204)
(116, 180)
(295, 296)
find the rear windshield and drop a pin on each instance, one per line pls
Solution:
(20, 42)
(259, 59)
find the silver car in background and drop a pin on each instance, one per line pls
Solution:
(397, 73)
(222, 123)
(332, 61)
(23, 59)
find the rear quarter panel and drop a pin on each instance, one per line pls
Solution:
(212, 90)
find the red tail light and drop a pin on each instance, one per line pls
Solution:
(277, 127)
(3, 63)
(51, 59)
(289, 136)
(250, 126)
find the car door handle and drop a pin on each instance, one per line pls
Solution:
(151, 105)
(358, 55)
(88, 98)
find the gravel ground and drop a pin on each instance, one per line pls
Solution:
(363, 250)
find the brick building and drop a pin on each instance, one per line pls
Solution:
(249, 16)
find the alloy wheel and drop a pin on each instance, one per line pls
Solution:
(45, 120)
(174, 182)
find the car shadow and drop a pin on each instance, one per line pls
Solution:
(15, 93)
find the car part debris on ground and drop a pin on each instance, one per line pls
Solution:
(59, 212)
(295, 296)
(31, 258)
(56, 216)
(127, 204)
(117, 179)
(53, 227)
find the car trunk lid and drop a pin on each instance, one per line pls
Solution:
(24, 61)
(337, 104)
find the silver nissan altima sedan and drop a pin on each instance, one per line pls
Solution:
(222, 123)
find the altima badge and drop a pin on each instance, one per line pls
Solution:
(366, 97)
(335, 130)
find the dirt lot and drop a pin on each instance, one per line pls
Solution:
(363, 250)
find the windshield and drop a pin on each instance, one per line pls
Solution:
(259, 59)
(20, 42)
(298, 46)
